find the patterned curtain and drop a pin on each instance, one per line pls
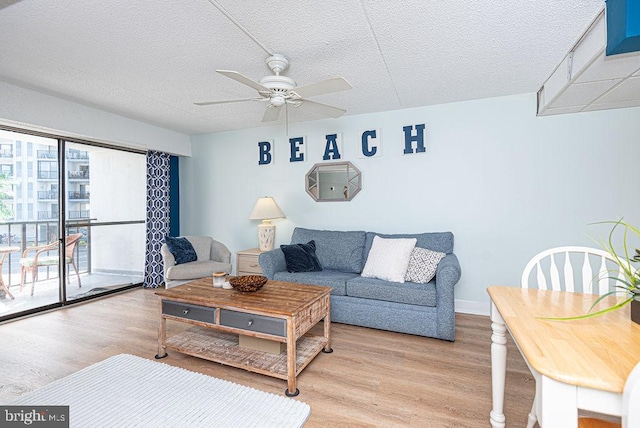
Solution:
(158, 215)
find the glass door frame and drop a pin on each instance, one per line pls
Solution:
(63, 224)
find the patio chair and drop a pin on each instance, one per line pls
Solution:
(41, 258)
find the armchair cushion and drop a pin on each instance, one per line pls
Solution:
(182, 250)
(197, 269)
(301, 257)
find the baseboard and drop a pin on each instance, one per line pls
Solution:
(472, 307)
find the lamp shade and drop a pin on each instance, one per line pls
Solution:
(266, 208)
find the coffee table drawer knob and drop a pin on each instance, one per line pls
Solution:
(250, 323)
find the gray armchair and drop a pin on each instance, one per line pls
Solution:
(213, 256)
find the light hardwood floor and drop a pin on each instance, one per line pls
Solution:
(374, 378)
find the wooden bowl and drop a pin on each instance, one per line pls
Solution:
(248, 283)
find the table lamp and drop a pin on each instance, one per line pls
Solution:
(266, 209)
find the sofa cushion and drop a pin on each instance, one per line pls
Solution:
(181, 248)
(423, 264)
(329, 278)
(388, 258)
(436, 241)
(301, 257)
(336, 250)
(377, 289)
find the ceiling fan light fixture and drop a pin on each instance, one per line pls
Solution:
(277, 101)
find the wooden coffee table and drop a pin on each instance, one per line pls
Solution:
(279, 311)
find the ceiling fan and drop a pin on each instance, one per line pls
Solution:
(278, 91)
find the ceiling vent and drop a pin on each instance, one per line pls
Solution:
(602, 70)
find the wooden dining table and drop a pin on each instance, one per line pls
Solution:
(578, 364)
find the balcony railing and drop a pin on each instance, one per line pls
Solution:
(47, 154)
(78, 175)
(44, 194)
(46, 215)
(78, 195)
(78, 214)
(48, 175)
(6, 153)
(77, 155)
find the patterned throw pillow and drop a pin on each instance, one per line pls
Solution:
(422, 265)
(388, 258)
(181, 249)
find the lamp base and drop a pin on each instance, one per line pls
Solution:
(266, 235)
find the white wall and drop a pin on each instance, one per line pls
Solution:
(36, 111)
(508, 184)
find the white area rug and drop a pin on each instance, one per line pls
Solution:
(129, 391)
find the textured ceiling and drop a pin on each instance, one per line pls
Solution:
(152, 60)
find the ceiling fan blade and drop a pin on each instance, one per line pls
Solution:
(208, 103)
(323, 109)
(271, 113)
(335, 84)
(243, 79)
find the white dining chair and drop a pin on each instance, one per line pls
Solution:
(572, 269)
(630, 408)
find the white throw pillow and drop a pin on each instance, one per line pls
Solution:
(423, 265)
(389, 258)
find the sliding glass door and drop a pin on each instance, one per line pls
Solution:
(71, 221)
(29, 219)
(105, 192)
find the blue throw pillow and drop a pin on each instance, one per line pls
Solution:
(181, 249)
(301, 257)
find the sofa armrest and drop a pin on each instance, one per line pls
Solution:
(220, 252)
(448, 272)
(167, 259)
(447, 276)
(271, 262)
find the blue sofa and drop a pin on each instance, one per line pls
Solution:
(420, 309)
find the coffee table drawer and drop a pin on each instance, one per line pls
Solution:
(191, 312)
(250, 322)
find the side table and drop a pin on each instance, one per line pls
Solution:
(247, 262)
(4, 250)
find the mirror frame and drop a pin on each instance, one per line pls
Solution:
(313, 180)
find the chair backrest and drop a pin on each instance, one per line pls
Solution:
(597, 270)
(70, 244)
